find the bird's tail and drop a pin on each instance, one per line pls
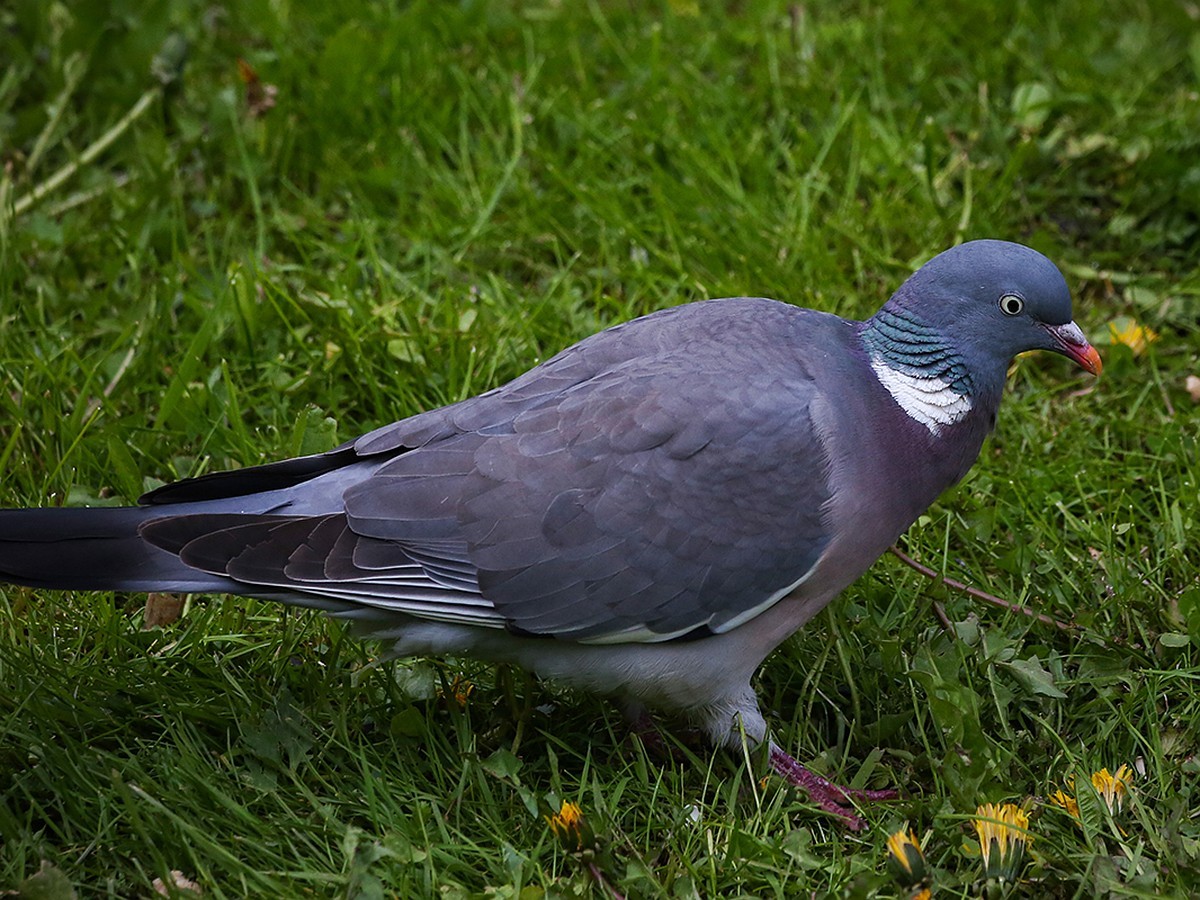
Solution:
(93, 549)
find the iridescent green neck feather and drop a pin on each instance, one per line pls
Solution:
(905, 344)
(925, 375)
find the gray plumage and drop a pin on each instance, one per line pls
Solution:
(647, 514)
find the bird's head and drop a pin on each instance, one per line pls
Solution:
(995, 299)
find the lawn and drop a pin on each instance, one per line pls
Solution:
(235, 232)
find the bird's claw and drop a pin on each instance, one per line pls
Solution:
(830, 797)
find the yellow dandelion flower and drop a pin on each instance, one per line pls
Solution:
(1113, 788)
(922, 894)
(1067, 802)
(905, 859)
(1133, 335)
(459, 690)
(571, 828)
(462, 690)
(1003, 831)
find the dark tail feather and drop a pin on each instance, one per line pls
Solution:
(94, 550)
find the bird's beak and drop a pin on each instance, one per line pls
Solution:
(1069, 341)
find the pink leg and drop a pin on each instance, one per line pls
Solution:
(646, 730)
(829, 796)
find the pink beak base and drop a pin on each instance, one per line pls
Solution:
(1073, 344)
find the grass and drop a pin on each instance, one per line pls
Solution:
(432, 197)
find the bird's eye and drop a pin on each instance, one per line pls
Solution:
(1011, 305)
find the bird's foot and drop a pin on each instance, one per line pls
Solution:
(658, 741)
(646, 730)
(830, 797)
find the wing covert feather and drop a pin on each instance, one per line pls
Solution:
(660, 478)
(656, 497)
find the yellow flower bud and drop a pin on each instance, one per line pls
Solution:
(905, 859)
(1003, 831)
(571, 828)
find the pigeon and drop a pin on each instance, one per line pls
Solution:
(646, 515)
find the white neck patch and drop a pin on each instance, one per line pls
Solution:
(930, 401)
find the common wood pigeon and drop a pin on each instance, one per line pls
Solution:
(648, 514)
